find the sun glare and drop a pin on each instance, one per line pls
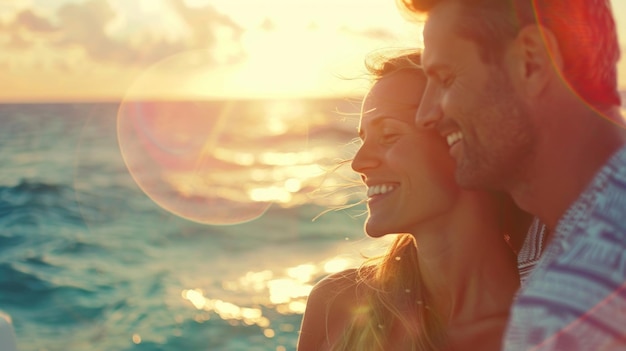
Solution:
(215, 48)
(336, 265)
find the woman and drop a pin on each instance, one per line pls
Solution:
(446, 282)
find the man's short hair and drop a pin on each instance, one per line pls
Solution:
(584, 29)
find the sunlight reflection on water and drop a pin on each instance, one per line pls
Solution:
(285, 294)
(225, 162)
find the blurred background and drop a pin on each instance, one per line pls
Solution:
(169, 166)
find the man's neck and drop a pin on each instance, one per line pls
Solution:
(566, 164)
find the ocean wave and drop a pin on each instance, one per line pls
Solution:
(31, 202)
(16, 285)
(30, 288)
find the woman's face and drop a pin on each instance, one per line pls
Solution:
(408, 172)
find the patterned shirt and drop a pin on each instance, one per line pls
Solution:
(532, 249)
(575, 298)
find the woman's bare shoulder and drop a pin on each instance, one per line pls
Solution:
(330, 294)
(336, 284)
(329, 308)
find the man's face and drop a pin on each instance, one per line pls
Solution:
(474, 105)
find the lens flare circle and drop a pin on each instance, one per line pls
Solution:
(216, 162)
(170, 150)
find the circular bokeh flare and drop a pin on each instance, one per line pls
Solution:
(178, 153)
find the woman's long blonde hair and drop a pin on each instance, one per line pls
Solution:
(395, 300)
(395, 296)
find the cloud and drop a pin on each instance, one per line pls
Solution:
(209, 28)
(268, 25)
(25, 26)
(380, 34)
(29, 20)
(83, 27)
(204, 22)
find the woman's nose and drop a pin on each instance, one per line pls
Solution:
(365, 158)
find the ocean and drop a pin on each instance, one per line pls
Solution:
(173, 225)
(167, 226)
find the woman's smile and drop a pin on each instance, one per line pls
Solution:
(380, 189)
(378, 192)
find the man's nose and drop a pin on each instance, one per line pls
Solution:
(428, 114)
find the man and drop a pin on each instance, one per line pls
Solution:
(525, 92)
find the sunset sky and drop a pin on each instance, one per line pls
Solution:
(91, 50)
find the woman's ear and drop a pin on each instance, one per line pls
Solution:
(537, 58)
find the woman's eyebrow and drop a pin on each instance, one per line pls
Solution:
(377, 121)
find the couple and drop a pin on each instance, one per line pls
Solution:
(524, 94)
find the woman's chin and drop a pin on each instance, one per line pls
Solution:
(376, 232)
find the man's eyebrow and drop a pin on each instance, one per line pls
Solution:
(435, 68)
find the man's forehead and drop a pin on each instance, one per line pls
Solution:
(442, 17)
(440, 27)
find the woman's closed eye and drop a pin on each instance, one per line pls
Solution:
(389, 136)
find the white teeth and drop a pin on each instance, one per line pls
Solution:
(379, 189)
(454, 138)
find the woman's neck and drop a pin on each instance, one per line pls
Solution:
(468, 270)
